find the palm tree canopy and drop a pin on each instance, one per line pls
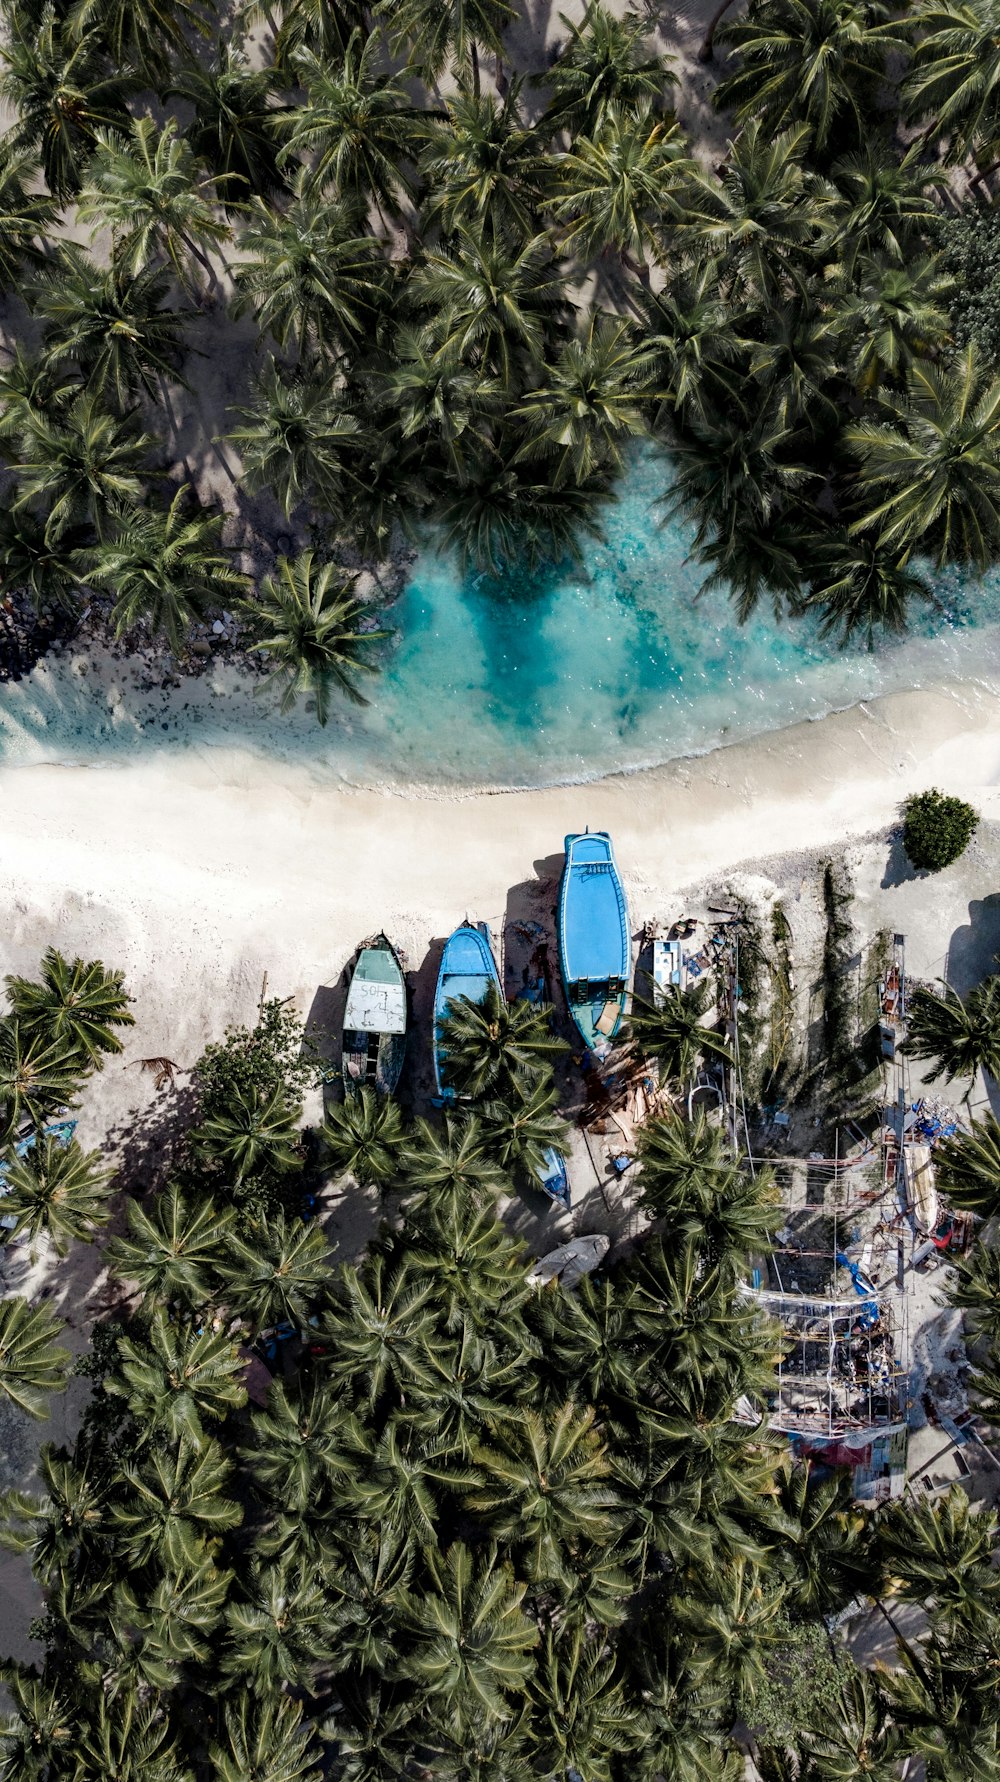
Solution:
(961, 1038)
(164, 567)
(115, 326)
(148, 188)
(954, 80)
(62, 93)
(605, 65)
(58, 1189)
(32, 1364)
(310, 625)
(486, 1046)
(364, 1136)
(73, 1003)
(672, 1030)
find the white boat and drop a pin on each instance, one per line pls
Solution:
(570, 1262)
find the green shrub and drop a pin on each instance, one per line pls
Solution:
(937, 829)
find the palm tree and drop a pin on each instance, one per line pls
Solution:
(364, 1138)
(177, 1377)
(521, 1127)
(797, 364)
(764, 218)
(672, 1031)
(76, 1004)
(484, 168)
(582, 1717)
(256, 1134)
(148, 189)
(693, 339)
(309, 620)
(373, 1327)
(291, 443)
(312, 276)
(264, 1740)
(501, 513)
(968, 1167)
(164, 568)
(279, 1636)
(37, 1076)
(437, 399)
(114, 326)
(946, 1552)
(61, 92)
(592, 403)
(619, 188)
(711, 1205)
(471, 1637)
(861, 585)
(25, 215)
(489, 1046)
(233, 131)
(495, 303)
(173, 1499)
(174, 1249)
(896, 314)
(451, 1164)
(884, 206)
(935, 471)
(606, 66)
(276, 1276)
(545, 1485)
(32, 1363)
(81, 467)
(443, 31)
(145, 38)
(961, 1038)
(853, 1737)
(356, 128)
(58, 1189)
(954, 79)
(976, 1288)
(129, 1739)
(50, 574)
(808, 61)
(304, 1438)
(731, 1622)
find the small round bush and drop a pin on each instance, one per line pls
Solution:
(937, 829)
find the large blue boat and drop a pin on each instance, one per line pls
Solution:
(467, 969)
(595, 951)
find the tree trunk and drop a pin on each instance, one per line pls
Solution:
(707, 50)
(474, 59)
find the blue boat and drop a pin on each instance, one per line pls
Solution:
(467, 968)
(553, 1180)
(595, 951)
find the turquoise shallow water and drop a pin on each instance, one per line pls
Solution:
(564, 675)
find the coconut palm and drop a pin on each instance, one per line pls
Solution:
(33, 389)
(114, 326)
(808, 61)
(164, 568)
(976, 1287)
(671, 1030)
(235, 113)
(74, 1003)
(435, 398)
(309, 620)
(500, 513)
(276, 1276)
(38, 1076)
(61, 92)
(439, 32)
(364, 1138)
(312, 276)
(968, 1167)
(895, 314)
(731, 1621)
(853, 1737)
(373, 1326)
(691, 1179)
(264, 1740)
(256, 1134)
(304, 1438)
(356, 129)
(80, 467)
(545, 1484)
(471, 1637)
(523, 1125)
(694, 341)
(605, 66)
(145, 38)
(582, 1717)
(961, 1038)
(173, 1498)
(797, 363)
(291, 443)
(620, 189)
(279, 1635)
(50, 574)
(488, 1046)
(25, 215)
(933, 472)
(495, 303)
(177, 1377)
(174, 1248)
(591, 405)
(953, 83)
(41, 1729)
(484, 168)
(148, 188)
(884, 205)
(946, 1553)
(452, 1163)
(861, 585)
(129, 1739)
(57, 1189)
(32, 1364)
(765, 218)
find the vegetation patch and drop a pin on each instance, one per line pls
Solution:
(937, 829)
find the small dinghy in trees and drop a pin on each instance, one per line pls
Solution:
(467, 968)
(375, 1020)
(595, 952)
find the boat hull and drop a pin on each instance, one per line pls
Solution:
(554, 1181)
(374, 1036)
(595, 951)
(467, 969)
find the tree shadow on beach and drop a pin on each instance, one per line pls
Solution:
(899, 869)
(973, 948)
(146, 1146)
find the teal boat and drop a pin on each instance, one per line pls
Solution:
(595, 951)
(374, 1043)
(467, 968)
